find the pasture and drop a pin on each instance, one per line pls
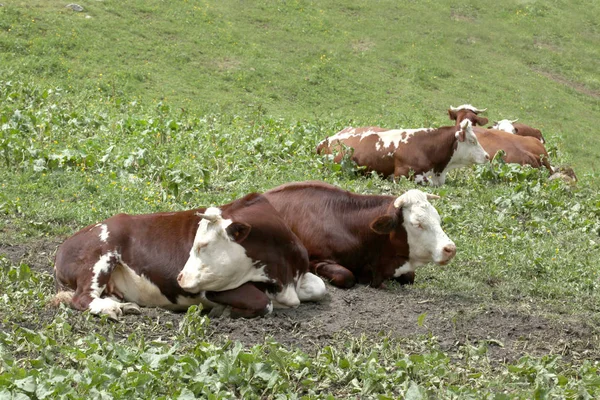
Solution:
(150, 106)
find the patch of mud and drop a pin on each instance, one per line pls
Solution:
(37, 253)
(510, 330)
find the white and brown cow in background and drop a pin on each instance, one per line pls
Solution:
(240, 258)
(520, 129)
(524, 150)
(428, 153)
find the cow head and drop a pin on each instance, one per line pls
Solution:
(467, 111)
(468, 150)
(505, 125)
(217, 261)
(411, 217)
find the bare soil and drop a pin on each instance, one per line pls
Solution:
(510, 330)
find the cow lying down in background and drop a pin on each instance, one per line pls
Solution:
(425, 153)
(518, 148)
(239, 259)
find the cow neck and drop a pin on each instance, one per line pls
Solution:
(439, 145)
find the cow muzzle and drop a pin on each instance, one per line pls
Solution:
(448, 253)
(188, 283)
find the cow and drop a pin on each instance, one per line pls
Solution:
(515, 128)
(427, 154)
(368, 239)
(524, 150)
(239, 259)
(467, 111)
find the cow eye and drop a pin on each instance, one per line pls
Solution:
(418, 225)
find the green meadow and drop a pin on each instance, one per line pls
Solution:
(147, 106)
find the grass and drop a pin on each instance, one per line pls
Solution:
(149, 106)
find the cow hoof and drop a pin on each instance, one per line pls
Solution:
(131, 309)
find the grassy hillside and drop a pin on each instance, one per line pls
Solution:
(388, 62)
(145, 106)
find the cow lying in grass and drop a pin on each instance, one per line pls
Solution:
(426, 153)
(239, 258)
(524, 150)
(354, 238)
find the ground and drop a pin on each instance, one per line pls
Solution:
(510, 331)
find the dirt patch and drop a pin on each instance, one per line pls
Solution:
(37, 253)
(577, 86)
(510, 331)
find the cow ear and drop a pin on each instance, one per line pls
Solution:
(481, 121)
(384, 224)
(238, 231)
(452, 114)
(461, 135)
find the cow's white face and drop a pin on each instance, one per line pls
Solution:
(505, 125)
(217, 261)
(426, 239)
(468, 150)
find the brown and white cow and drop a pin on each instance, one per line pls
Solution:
(428, 153)
(239, 258)
(524, 150)
(517, 128)
(354, 238)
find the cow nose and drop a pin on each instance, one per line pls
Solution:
(180, 278)
(487, 156)
(449, 251)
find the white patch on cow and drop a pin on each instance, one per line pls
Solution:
(426, 239)
(505, 125)
(216, 262)
(311, 287)
(102, 266)
(468, 152)
(104, 233)
(287, 298)
(141, 290)
(403, 269)
(467, 107)
(346, 133)
(394, 137)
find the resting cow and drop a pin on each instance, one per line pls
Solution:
(428, 153)
(367, 239)
(524, 150)
(516, 128)
(233, 259)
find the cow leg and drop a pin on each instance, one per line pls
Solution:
(437, 179)
(336, 274)
(246, 301)
(311, 288)
(405, 275)
(406, 279)
(400, 170)
(88, 295)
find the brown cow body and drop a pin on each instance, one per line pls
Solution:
(248, 260)
(367, 239)
(522, 150)
(428, 153)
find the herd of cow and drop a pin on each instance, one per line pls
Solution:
(272, 249)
